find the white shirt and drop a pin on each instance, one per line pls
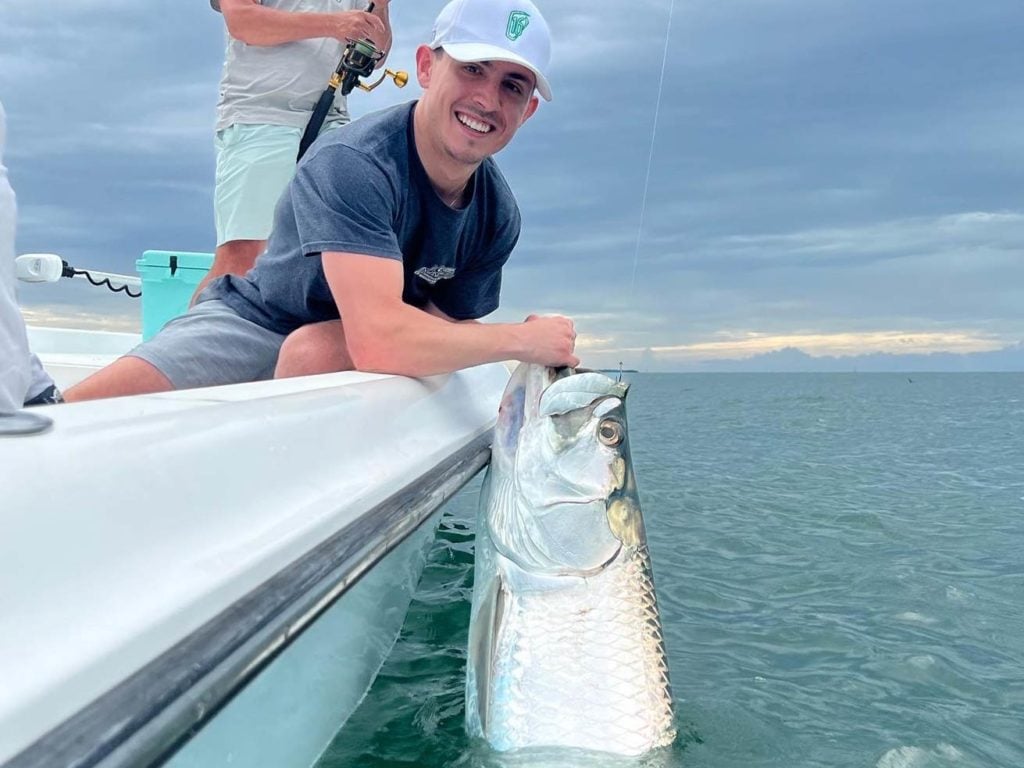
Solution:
(15, 363)
(280, 84)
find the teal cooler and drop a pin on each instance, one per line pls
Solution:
(169, 278)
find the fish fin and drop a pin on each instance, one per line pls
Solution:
(483, 640)
(500, 596)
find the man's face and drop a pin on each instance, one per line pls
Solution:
(475, 108)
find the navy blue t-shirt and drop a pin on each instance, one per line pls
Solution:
(362, 189)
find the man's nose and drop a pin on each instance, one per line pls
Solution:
(486, 96)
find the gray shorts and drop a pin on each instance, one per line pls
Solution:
(211, 345)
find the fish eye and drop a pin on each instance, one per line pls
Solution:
(610, 432)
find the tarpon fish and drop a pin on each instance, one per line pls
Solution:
(566, 645)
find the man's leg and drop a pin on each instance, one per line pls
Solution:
(208, 346)
(315, 348)
(124, 376)
(254, 165)
(232, 258)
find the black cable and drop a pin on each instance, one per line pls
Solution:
(105, 281)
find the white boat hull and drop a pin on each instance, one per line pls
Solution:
(288, 715)
(135, 524)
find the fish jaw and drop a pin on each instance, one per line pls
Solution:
(557, 498)
(568, 538)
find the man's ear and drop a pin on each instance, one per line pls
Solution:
(530, 108)
(424, 62)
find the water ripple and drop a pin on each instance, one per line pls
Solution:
(840, 566)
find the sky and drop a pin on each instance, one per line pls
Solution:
(713, 181)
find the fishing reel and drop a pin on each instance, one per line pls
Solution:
(358, 61)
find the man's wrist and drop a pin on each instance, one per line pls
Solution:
(513, 343)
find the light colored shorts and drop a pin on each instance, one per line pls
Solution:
(254, 164)
(211, 345)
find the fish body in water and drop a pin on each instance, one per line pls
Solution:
(566, 646)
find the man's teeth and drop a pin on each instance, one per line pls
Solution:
(476, 125)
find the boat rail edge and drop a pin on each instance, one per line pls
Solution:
(143, 720)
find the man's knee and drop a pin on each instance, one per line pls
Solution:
(312, 349)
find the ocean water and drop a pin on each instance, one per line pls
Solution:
(840, 567)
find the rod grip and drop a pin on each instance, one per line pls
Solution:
(316, 121)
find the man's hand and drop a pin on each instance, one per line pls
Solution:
(355, 25)
(255, 24)
(549, 340)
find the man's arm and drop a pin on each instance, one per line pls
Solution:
(256, 24)
(380, 10)
(433, 309)
(386, 335)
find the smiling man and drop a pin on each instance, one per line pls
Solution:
(389, 242)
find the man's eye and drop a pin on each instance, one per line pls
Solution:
(513, 86)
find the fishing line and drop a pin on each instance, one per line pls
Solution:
(650, 157)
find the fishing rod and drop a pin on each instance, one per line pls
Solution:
(358, 60)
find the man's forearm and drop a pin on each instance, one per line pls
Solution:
(256, 24)
(384, 334)
(414, 343)
(380, 9)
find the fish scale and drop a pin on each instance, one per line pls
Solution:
(576, 672)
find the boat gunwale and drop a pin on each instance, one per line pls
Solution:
(145, 718)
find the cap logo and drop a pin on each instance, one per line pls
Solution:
(517, 21)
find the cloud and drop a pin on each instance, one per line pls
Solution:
(749, 343)
(822, 171)
(77, 304)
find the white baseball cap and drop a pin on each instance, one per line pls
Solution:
(496, 30)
